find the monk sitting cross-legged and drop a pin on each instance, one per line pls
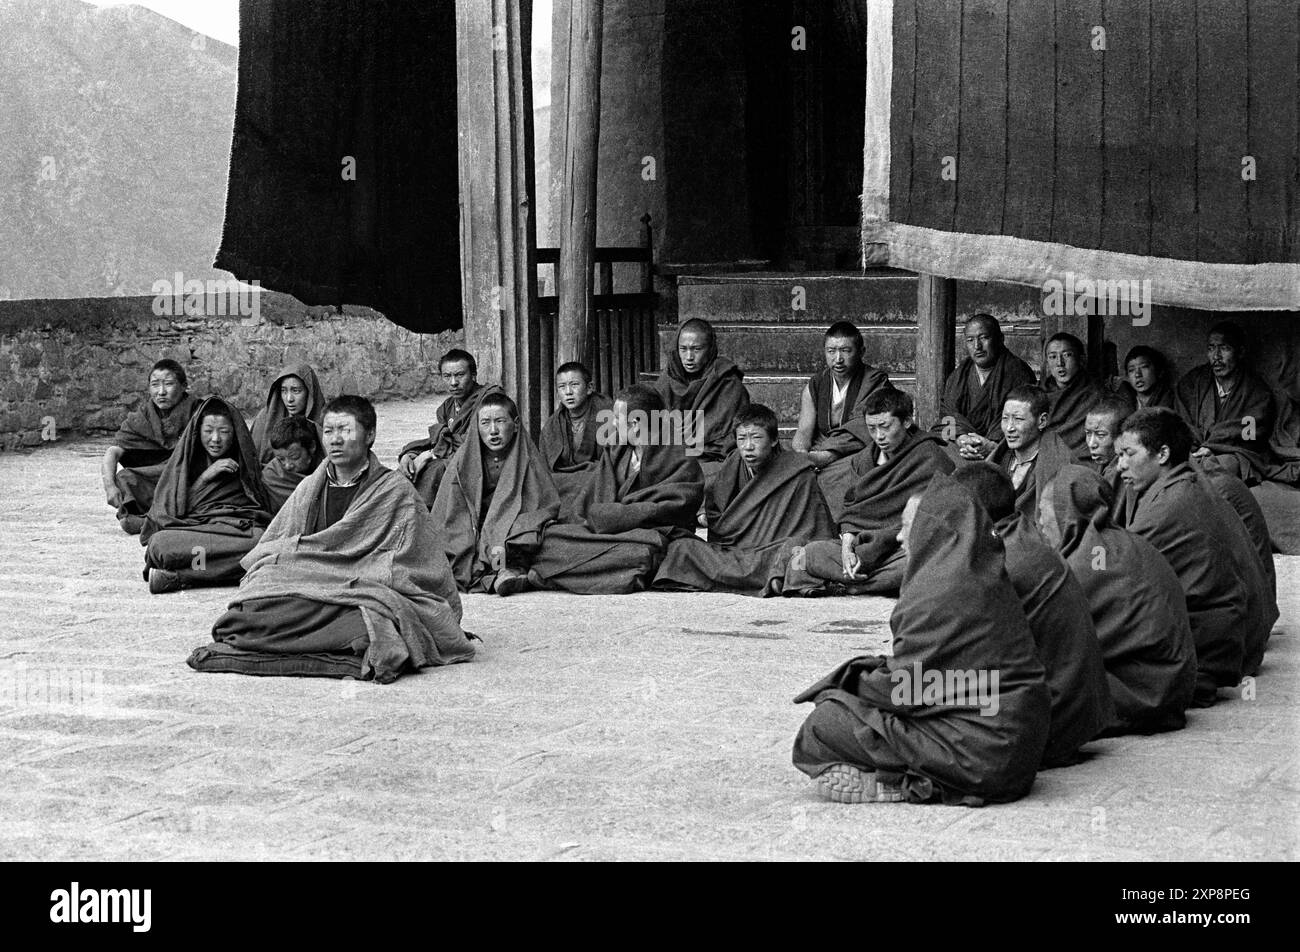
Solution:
(959, 713)
(494, 502)
(568, 442)
(296, 448)
(899, 463)
(210, 506)
(349, 580)
(762, 498)
(970, 411)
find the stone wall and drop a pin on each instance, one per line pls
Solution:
(76, 367)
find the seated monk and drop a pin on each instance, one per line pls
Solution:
(970, 409)
(708, 387)
(349, 579)
(295, 392)
(1060, 619)
(1170, 506)
(1100, 428)
(831, 406)
(1231, 411)
(495, 499)
(144, 443)
(899, 463)
(1137, 603)
(568, 442)
(1070, 390)
(296, 448)
(425, 460)
(646, 493)
(210, 506)
(1147, 373)
(959, 713)
(762, 498)
(1031, 452)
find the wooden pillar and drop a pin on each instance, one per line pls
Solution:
(936, 318)
(498, 239)
(577, 214)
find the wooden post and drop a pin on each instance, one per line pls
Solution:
(498, 246)
(578, 201)
(936, 317)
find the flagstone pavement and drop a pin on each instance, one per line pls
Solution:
(650, 727)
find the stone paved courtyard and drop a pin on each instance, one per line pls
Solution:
(641, 727)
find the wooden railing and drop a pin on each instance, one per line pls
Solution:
(623, 337)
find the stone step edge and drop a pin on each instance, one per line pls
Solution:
(795, 277)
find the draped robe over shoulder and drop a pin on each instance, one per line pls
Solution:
(1053, 453)
(574, 467)
(972, 407)
(957, 616)
(147, 437)
(846, 436)
(714, 395)
(1069, 410)
(448, 431)
(274, 411)
(280, 483)
(1236, 428)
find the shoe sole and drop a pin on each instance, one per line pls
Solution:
(843, 783)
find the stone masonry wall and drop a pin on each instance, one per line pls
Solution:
(77, 367)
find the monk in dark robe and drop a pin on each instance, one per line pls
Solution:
(349, 580)
(1100, 429)
(1230, 409)
(1137, 603)
(1060, 619)
(970, 409)
(1170, 506)
(1031, 451)
(210, 507)
(708, 387)
(425, 460)
(144, 443)
(495, 500)
(1070, 390)
(761, 499)
(899, 463)
(295, 392)
(959, 714)
(831, 405)
(296, 452)
(568, 441)
(646, 494)
(1147, 373)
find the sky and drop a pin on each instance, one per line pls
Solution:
(218, 19)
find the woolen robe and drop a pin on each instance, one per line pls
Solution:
(1178, 514)
(1138, 608)
(713, 396)
(1069, 410)
(1053, 453)
(447, 433)
(751, 520)
(958, 613)
(370, 596)
(280, 483)
(523, 502)
(846, 436)
(628, 522)
(147, 437)
(969, 407)
(573, 467)
(872, 510)
(1220, 423)
(274, 411)
(201, 532)
(1060, 619)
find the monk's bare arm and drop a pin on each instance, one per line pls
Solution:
(108, 471)
(803, 435)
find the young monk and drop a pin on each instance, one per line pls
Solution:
(1100, 428)
(296, 448)
(210, 507)
(918, 725)
(1138, 607)
(295, 392)
(1070, 390)
(143, 444)
(425, 460)
(1230, 409)
(1031, 451)
(761, 499)
(568, 442)
(831, 405)
(1170, 506)
(646, 494)
(1147, 373)
(897, 465)
(709, 387)
(1060, 619)
(349, 580)
(495, 499)
(970, 411)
